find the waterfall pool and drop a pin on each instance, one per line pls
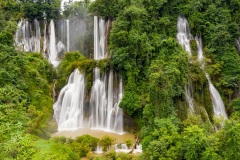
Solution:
(119, 138)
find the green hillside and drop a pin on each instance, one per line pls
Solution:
(144, 51)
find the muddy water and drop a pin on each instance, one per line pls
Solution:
(96, 133)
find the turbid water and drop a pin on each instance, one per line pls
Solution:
(96, 133)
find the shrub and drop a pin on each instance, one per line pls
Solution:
(129, 143)
(106, 143)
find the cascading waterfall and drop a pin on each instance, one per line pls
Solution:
(24, 36)
(96, 48)
(68, 36)
(237, 45)
(99, 39)
(27, 38)
(53, 55)
(45, 39)
(189, 96)
(218, 105)
(104, 112)
(74, 34)
(18, 32)
(37, 37)
(68, 110)
(184, 36)
(98, 102)
(60, 47)
(17, 38)
(121, 148)
(117, 112)
(102, 39)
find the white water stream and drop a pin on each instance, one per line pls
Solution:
(27, 37)
(53, 54)
(218, 105)
(184, 36)
(68, 110)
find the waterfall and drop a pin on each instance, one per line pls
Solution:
(45, 39)
(110, 100)
(27, 38)
(99, 39)
(37, 37)
(189, 96)
(118, 112)
(68, 110)
(60, 47)
(74, 34)
(57, 37)
(237, 45)
(218, 105)
(104, 112)
(68, 36)
(98, 102)
(17, 37)
(184, 36)
(53, 55)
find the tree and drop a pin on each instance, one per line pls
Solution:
(35, 9)
(164, 141)
(106, 143)
(230, 140)
(107, 9)
(194, 142)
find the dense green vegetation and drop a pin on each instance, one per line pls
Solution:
(154, 67)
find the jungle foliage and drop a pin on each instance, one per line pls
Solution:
(155, 70)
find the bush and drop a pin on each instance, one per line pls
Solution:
(106, 143)
(110, 155)
(48, 150)
(236, 104)
(124, 156)
(83, 145)
(61, 139)
(87, 139)
(129, 143)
